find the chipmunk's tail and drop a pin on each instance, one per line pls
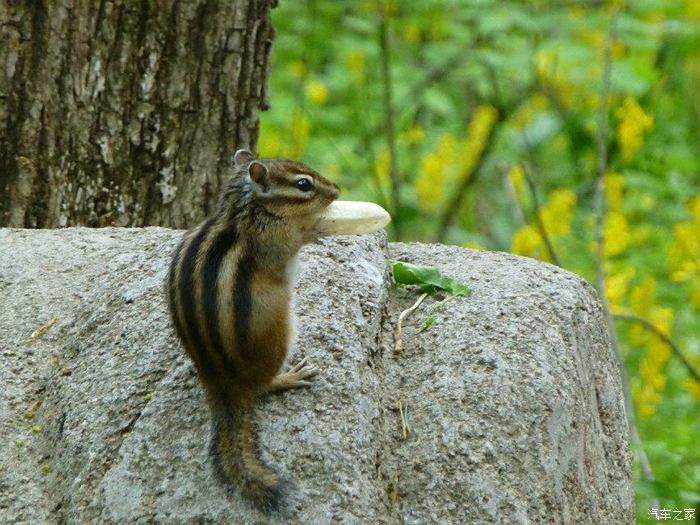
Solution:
(234, 448)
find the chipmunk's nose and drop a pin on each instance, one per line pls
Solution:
(335, 191)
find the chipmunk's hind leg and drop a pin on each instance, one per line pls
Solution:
(295, 377)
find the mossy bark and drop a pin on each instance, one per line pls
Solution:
(126, 112)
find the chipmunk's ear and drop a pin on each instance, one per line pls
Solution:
(258, 173)
(243, 157)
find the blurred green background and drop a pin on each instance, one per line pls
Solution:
(488, 124)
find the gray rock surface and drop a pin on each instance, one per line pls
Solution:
(512, 398)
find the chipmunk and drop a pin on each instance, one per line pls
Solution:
(229, 293)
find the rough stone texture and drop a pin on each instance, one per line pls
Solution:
(512, 397)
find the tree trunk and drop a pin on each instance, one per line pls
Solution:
(126, 112)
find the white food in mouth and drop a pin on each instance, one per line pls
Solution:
(352, 218)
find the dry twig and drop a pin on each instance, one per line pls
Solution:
(398, 346)
(36, 334)
(404, 422)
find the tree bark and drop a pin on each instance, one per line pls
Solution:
(126, 112)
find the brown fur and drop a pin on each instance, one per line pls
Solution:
(229, 296)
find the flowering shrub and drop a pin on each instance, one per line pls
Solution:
(496, 111)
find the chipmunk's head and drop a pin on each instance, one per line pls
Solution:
(286, 188)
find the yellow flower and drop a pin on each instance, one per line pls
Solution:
(651, 367)
(616, 286)
(590, 101)
(436, 24)
(451, 160)
(413, 135)
(516, 176)
(557, 213)
(653, 15)
(694, 209)
(429, 187)
(381, 167)
(527, 242)
(355, 62)
(615, 234)
(317, 92)
(640, 235)
(659, 351)
(555, 74)
(618, 48)
(613, 190)
(692, 9)
(695, 293)
(301, 128)
(593, 38)
(684, 254)
(436, 172)
(387, 8)
(530, 109)
(645, 398)
(577, 11)
(410, 32)
(646, 410)
(545, 61)
(657, 381)
(684, 251)
(556, 216)
(478, 134)
(642, 296)
(270, 143)
(639, 335)
(693, 387)
(633, 123)
(298, 69)
(447, 148)
(662, 319)
(391, 7)
(429, 194)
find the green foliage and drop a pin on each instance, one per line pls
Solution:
(496, 108)
(427, 278)
(430, 281)
(429, 321)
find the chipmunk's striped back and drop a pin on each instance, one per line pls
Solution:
(194, 291)
(229, 296)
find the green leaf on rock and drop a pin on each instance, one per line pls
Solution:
(428, 278)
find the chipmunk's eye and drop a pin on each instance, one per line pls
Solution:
(304, 184)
